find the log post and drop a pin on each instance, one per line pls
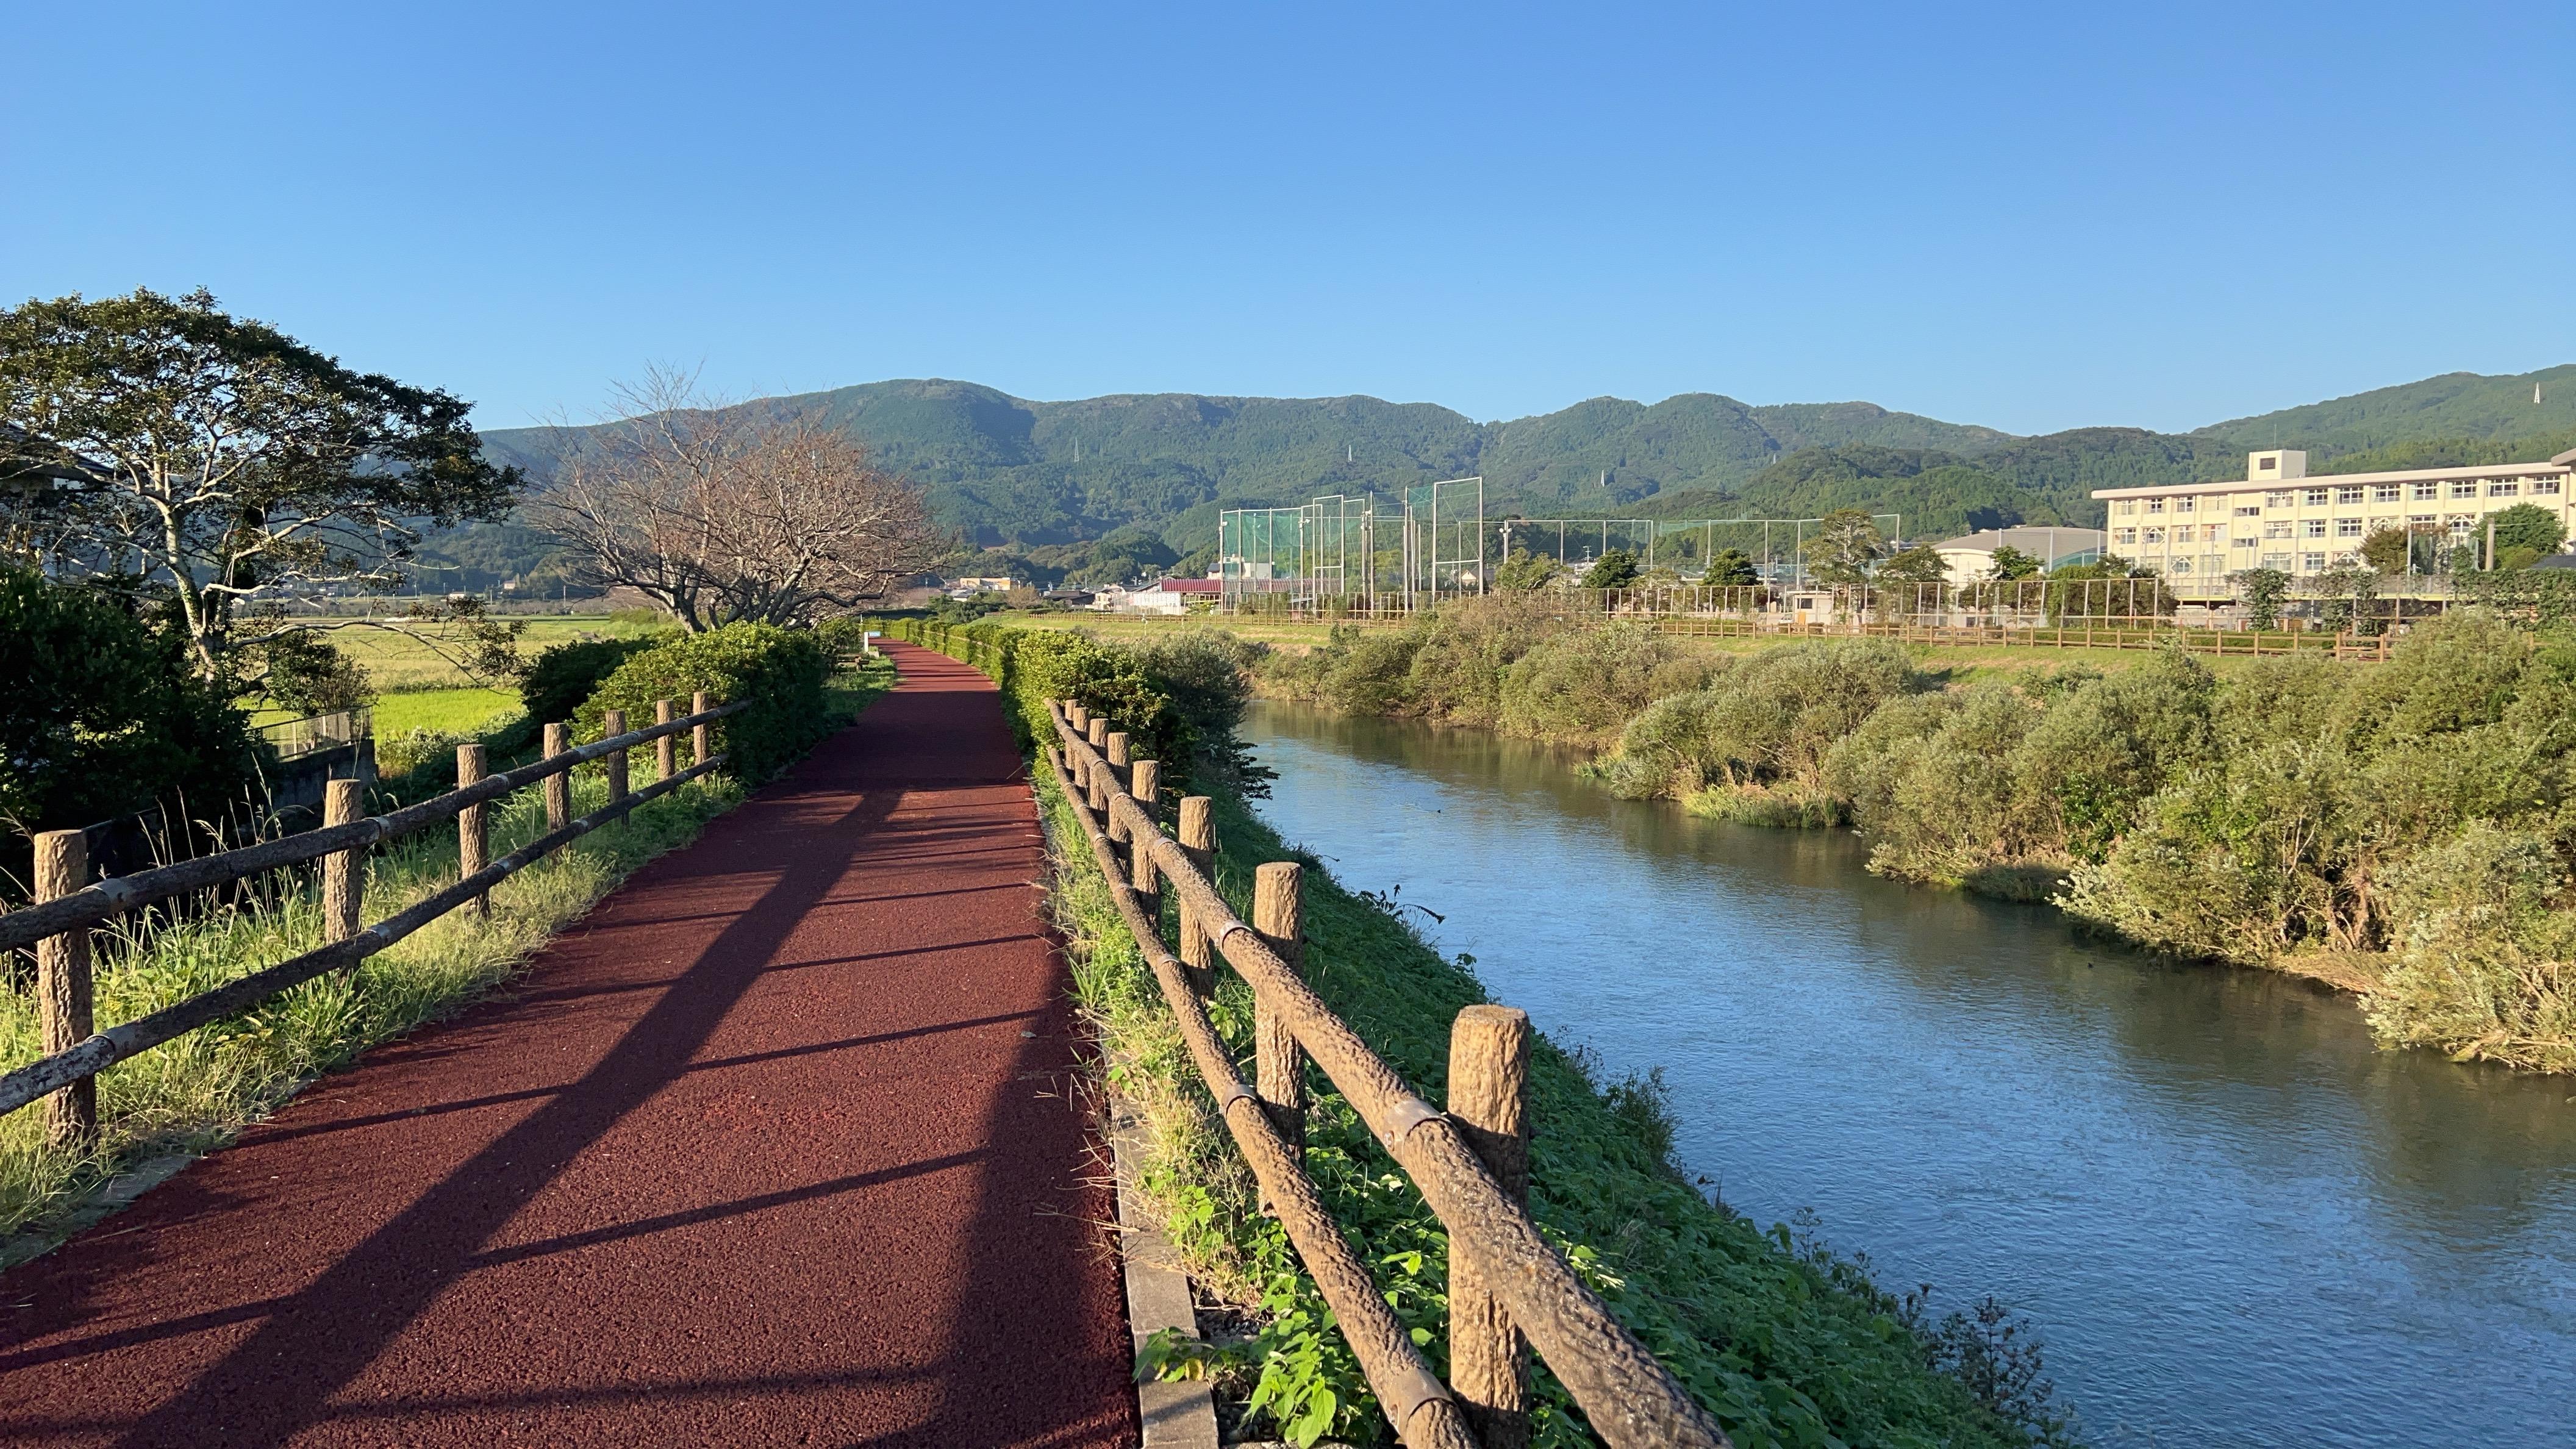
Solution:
(1117, 762)
(701, 735)
(1279, 1068)
(344, 802)
(63, 990)
(1198, 837)
(473, 833)
(1096, 777)
(666, 750)
(1489, 1100)
(1097, 731)
(612, 723)
(1146, 779)
(558, 784)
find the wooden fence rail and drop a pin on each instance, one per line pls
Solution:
(62, 924)
(1517, 1284)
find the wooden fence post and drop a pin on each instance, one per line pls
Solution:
(1146, 781)
(701, 735)
(1117, 761)
(473, 834)
(612, 723)
(1097, 731)
(344, 802)
(558, 784)
(63, 993)
(1279, 1068)
(1198, 837)
(1489, 1100)
(666, 750)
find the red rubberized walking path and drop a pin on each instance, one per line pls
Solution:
(782, 1145)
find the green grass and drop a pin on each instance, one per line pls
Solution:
(399, 663)
(442, 711)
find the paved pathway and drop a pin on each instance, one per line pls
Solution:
(780, 1146)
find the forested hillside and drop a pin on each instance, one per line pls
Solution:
(1147, 474)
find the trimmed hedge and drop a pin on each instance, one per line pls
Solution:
(780, 671)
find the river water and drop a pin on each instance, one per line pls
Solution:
(2232, 1220)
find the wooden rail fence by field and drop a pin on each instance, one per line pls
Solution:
(1509, 1291)
(67, 907)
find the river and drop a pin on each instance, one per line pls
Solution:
(2232, 1219)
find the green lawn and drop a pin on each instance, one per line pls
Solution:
(445, 711)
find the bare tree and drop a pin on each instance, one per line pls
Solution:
(724, 514)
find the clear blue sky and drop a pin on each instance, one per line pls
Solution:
(2030, 217)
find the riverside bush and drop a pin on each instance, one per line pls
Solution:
(563, 677)
(2303, 813)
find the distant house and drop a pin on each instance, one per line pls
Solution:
(997, 584)
(1170, 596)
(1971, 556)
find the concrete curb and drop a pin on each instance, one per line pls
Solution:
(1180, 1414)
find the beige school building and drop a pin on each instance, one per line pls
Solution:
(2277, 517)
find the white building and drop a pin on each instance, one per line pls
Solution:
(2277, 517)
(1971, 556)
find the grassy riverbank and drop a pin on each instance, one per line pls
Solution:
(194, 1094)
(2402, 829)
(1788, 1344)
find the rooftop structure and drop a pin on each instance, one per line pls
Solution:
(2278, 517)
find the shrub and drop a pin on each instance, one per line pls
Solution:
(103, 717)
(564, 677)
(1784, 708)
(1582, 686)
(780, 672)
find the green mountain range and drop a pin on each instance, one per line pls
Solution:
(1055, 480)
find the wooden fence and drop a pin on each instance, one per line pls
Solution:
(58, 926)
(1509, 1291)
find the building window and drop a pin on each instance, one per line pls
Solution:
(2314, 528)
(2279, 561)
(2245, 543)
(2421, 520)
(2316, 498)
(2128, 508)
(2155, 505)
(2503, 490)
(2277, 500)
(2464, 490)
(2312, 561)
(2266, 465)
(2384, 493)
(2277, 528)
(2427, 492)
(2184, 505)
(2546, 487)
(2155, 535)
(2212, 564)
(2348, 495)
(2347, 528)
(2124, 535)
(2181, 566)
(2244, 511)
(2462, 522)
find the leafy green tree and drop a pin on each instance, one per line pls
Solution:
(1917, 565)
(1616, 569)
(1730, 567)
(1524, 571)
(2527, 525)
(2010, 563)
(103, 715)
(2263, 591)
(2385, 550)
(220, 460)
(1846, 542)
